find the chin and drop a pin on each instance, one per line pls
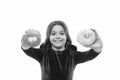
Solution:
(58, 46)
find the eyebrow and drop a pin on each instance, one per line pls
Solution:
(55, 31)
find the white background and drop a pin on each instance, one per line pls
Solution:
(16, 16)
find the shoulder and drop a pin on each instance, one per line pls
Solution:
(72, 48)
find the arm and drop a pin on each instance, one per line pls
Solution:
(37, 54)
(80, 57)
(96, 48)
(29, 49)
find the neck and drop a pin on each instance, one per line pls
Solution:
(58, 49)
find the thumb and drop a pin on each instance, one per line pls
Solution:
(96, 33)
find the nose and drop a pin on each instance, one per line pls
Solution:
(57, 36)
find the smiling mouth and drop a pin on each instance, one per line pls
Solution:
(58, 41)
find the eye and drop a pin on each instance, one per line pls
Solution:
(62, 33)
(53, 33)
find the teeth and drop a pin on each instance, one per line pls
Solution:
(59, 41)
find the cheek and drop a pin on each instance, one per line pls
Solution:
(51, 38)
(65, 38)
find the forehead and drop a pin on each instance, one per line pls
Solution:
(57, 28)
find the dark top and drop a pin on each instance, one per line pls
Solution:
(59, 65)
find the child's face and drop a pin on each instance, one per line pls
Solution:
(58, 37)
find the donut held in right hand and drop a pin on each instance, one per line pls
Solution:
(86, 37)
(31, 38)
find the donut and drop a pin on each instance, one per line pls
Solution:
(31, 39)
(86, 37)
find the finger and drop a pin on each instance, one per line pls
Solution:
(96, 33)
(28, 31)
(32, 31)
(97, 44)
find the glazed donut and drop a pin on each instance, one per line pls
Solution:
(86, 37)
(32, 39)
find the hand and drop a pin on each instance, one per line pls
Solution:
(98, 44)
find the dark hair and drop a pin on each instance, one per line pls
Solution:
(49, 29)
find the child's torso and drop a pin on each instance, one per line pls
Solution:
(57, 65)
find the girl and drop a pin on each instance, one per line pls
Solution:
(57, 56)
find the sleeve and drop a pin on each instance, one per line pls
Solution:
(37, 54)
(80, 57)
